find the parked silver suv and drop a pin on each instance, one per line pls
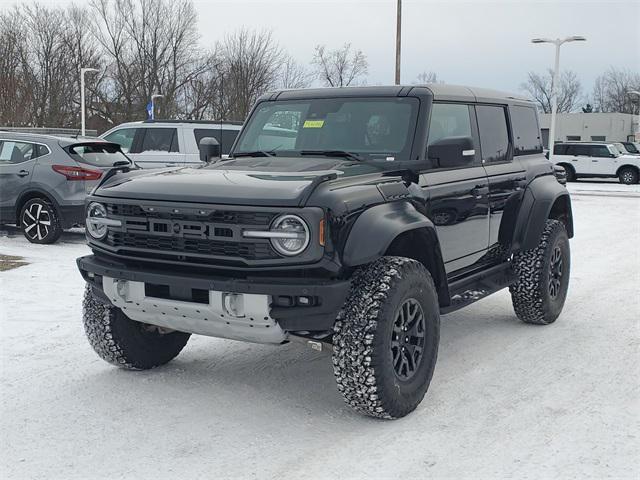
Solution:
(44, 180)
(170, 143)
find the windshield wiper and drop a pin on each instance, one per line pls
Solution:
(257, 153)
(334, 153)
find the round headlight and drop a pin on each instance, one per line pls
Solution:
(95, 228)
(294, 236)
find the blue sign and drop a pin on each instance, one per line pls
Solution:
(150, 111)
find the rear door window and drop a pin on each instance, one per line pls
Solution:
(159, 140)
(16, 152)
(123, 137)
(599, 151)
(526, 132)
(494, 134)
(579, 150)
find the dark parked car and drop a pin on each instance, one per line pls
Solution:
(44, 180)
(336, 234)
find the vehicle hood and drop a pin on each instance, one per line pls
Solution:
(271, 181)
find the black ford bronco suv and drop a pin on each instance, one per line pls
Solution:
(351, 217)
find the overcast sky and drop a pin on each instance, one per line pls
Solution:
(478, 43)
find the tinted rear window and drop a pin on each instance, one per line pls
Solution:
(97, 154)
(526, 133)
(226, 141)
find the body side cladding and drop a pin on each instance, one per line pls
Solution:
(544, 198)
(397, 228)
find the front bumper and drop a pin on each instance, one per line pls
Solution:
(327, 296)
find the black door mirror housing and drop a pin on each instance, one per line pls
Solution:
(452, 152)
(209, 149)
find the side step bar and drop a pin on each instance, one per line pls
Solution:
(477, 286)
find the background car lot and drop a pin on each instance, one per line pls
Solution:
(510, 400)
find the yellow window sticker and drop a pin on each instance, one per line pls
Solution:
(313, 124)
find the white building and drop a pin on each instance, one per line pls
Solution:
(596, 127)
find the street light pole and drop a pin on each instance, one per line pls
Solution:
(554, 83)
(82, 72)
(153, 104)
(398, 40)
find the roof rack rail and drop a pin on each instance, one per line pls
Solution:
(171, 120)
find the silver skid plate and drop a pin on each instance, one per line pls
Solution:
(231, 315)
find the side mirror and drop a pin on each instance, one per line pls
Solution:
(451, 152)
(209, 149)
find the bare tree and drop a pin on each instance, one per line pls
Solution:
(341, 67)
(150, 47)
(140, 47)
(251, 63)
(428, 77)
(45, 60)
(13, 92)
(569, 90)
(293, 74)
(202, 95)
(610, 92)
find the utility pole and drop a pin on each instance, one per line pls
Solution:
(398, 40)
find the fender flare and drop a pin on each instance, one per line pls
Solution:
(377, 227)
(538, 201)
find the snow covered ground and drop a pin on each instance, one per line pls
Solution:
(507, 399)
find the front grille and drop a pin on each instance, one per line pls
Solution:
(248, 251)
(217, 216)
(188, 233)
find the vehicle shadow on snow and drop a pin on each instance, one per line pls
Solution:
(293, 377)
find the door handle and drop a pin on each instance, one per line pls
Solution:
(479, 191)
(23, 173)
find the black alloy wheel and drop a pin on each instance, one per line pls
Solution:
(407, 339)
(555, 272)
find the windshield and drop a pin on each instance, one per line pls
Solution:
(368, 128)
(620, 148)
(98, 154)
(631, 148)
(615, 149)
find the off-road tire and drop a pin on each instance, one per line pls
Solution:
(39, 221)
(628, 176)
(570, 172)
(125, 343)
(362, 356)
(530, 295)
